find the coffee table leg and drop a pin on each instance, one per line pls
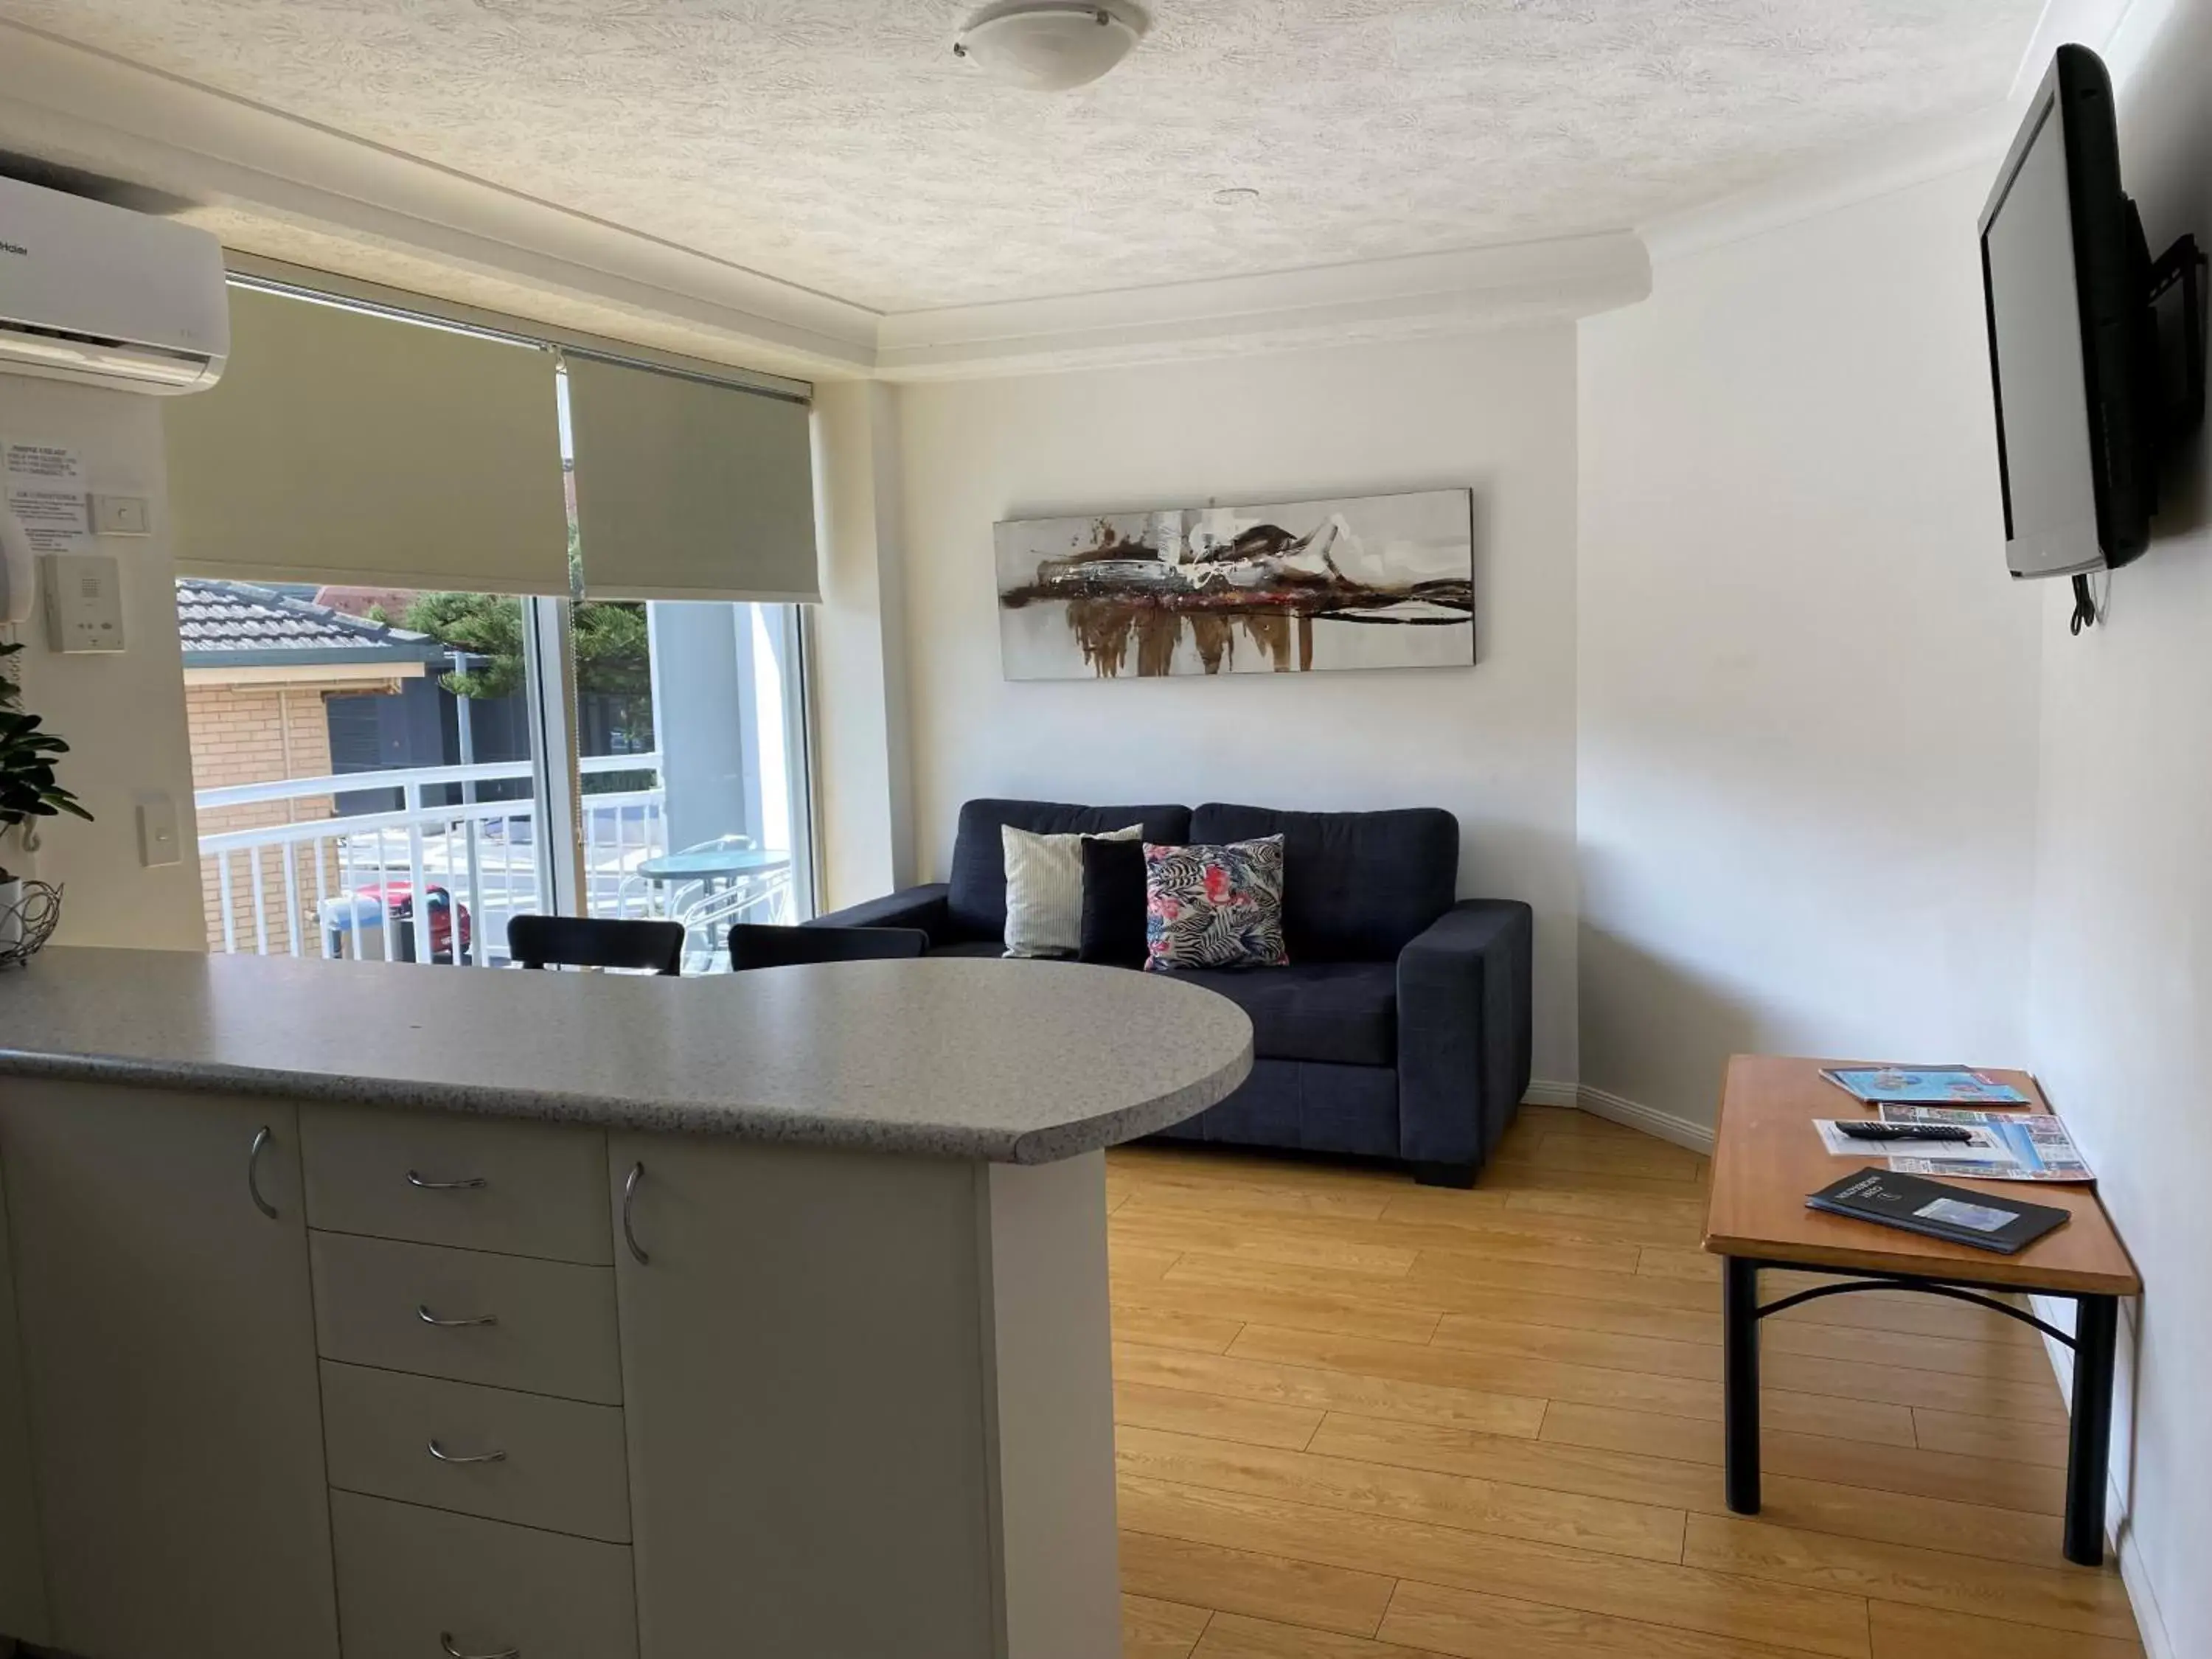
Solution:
(2096, 1335)
(1740, 1403)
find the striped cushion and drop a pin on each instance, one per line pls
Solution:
(1044, 890)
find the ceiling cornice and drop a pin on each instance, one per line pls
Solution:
(69, 103)
(1898, 162)
(1428, 294)
(1915, 155)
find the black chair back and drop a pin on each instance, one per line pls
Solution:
(582, 942)
(758, 945)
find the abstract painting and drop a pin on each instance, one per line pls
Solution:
(1373, 581)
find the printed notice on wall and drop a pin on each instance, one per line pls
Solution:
(44, 489)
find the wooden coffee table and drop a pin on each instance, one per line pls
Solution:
(1767, 1158)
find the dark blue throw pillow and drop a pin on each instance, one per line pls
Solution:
(1112, 903)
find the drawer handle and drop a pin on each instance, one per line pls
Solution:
(630, 1200)
(445, 1641)
(465, 1184)
(430, 1318)
(445, 1457)
(261, 1138)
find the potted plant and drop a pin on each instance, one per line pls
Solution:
(28, 791)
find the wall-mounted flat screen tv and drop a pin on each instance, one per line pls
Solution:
(2065, 283)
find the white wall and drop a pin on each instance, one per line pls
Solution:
(1807, 738)
(2119, 1025)
(863, 787)
(123, 716)
(1494, 743)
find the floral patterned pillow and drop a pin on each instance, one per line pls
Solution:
(1214, 907)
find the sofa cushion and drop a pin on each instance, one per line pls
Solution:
(976, 897)
(1342, 1011)
(1356, 886)
(1113, 918)
(1214, 907)
(1044, 889)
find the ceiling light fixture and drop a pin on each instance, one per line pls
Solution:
(1048, 46)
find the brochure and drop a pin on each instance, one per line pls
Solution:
(2006, 1146)
(1923, 1085)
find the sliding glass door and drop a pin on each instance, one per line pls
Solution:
(693, 779)
(406, 771)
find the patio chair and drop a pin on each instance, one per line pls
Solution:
(761, 944)
(582, 942)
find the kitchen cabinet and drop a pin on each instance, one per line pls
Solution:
(160, 1260)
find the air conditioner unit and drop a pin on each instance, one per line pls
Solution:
(108, 297)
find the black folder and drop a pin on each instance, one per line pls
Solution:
(1959, 1214)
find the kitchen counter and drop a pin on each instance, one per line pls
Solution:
(362, 1310)
(1015, 1062)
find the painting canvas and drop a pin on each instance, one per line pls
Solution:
(1374, 581)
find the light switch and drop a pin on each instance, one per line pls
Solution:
(157, 832)
(122, 515)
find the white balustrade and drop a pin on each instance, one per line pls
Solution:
(483, 854)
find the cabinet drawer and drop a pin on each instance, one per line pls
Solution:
(547, 1326)
(482, 1183)
(560, 1463)
(411, 1579)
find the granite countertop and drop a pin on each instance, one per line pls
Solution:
(1018, 1062)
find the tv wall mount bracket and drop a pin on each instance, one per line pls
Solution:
(2183, 265)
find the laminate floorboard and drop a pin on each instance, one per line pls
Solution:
(1359, 1418)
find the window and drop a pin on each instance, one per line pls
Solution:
(357, 747)
(386, 747)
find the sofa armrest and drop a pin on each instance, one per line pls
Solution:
(1464, 1031)
(922, 906)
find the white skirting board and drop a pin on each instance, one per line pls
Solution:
(2150, 1623)
(1619, 1109)
(1698, 1138)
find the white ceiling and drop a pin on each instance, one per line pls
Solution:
(837, 144)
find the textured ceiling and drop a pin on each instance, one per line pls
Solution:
(837, 144)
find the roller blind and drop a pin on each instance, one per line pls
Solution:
(686, 489)
(343, 445)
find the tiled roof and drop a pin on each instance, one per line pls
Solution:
(237, 623)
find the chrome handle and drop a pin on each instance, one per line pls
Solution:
(445, 1457)
(445, 1641)
(261, 1139)
(430, 1318)
(629, 1200)
(466, 1184)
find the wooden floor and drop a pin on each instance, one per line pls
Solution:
(1363, 1420)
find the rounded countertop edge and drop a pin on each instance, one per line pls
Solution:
(768, 1124)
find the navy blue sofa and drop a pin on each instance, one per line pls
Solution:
(1400, 1029)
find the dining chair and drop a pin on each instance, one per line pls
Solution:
(763, 945)
(592, 942)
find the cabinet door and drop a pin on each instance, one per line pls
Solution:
(804, 1392)
(169, 1362)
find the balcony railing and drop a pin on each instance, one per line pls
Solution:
(349, 885)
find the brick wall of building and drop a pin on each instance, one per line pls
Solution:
(258, 734)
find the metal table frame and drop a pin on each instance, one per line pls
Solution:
(2094, 1343)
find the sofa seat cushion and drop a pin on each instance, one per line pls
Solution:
(1345, 1013)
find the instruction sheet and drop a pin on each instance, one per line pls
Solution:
(2006, 1145)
